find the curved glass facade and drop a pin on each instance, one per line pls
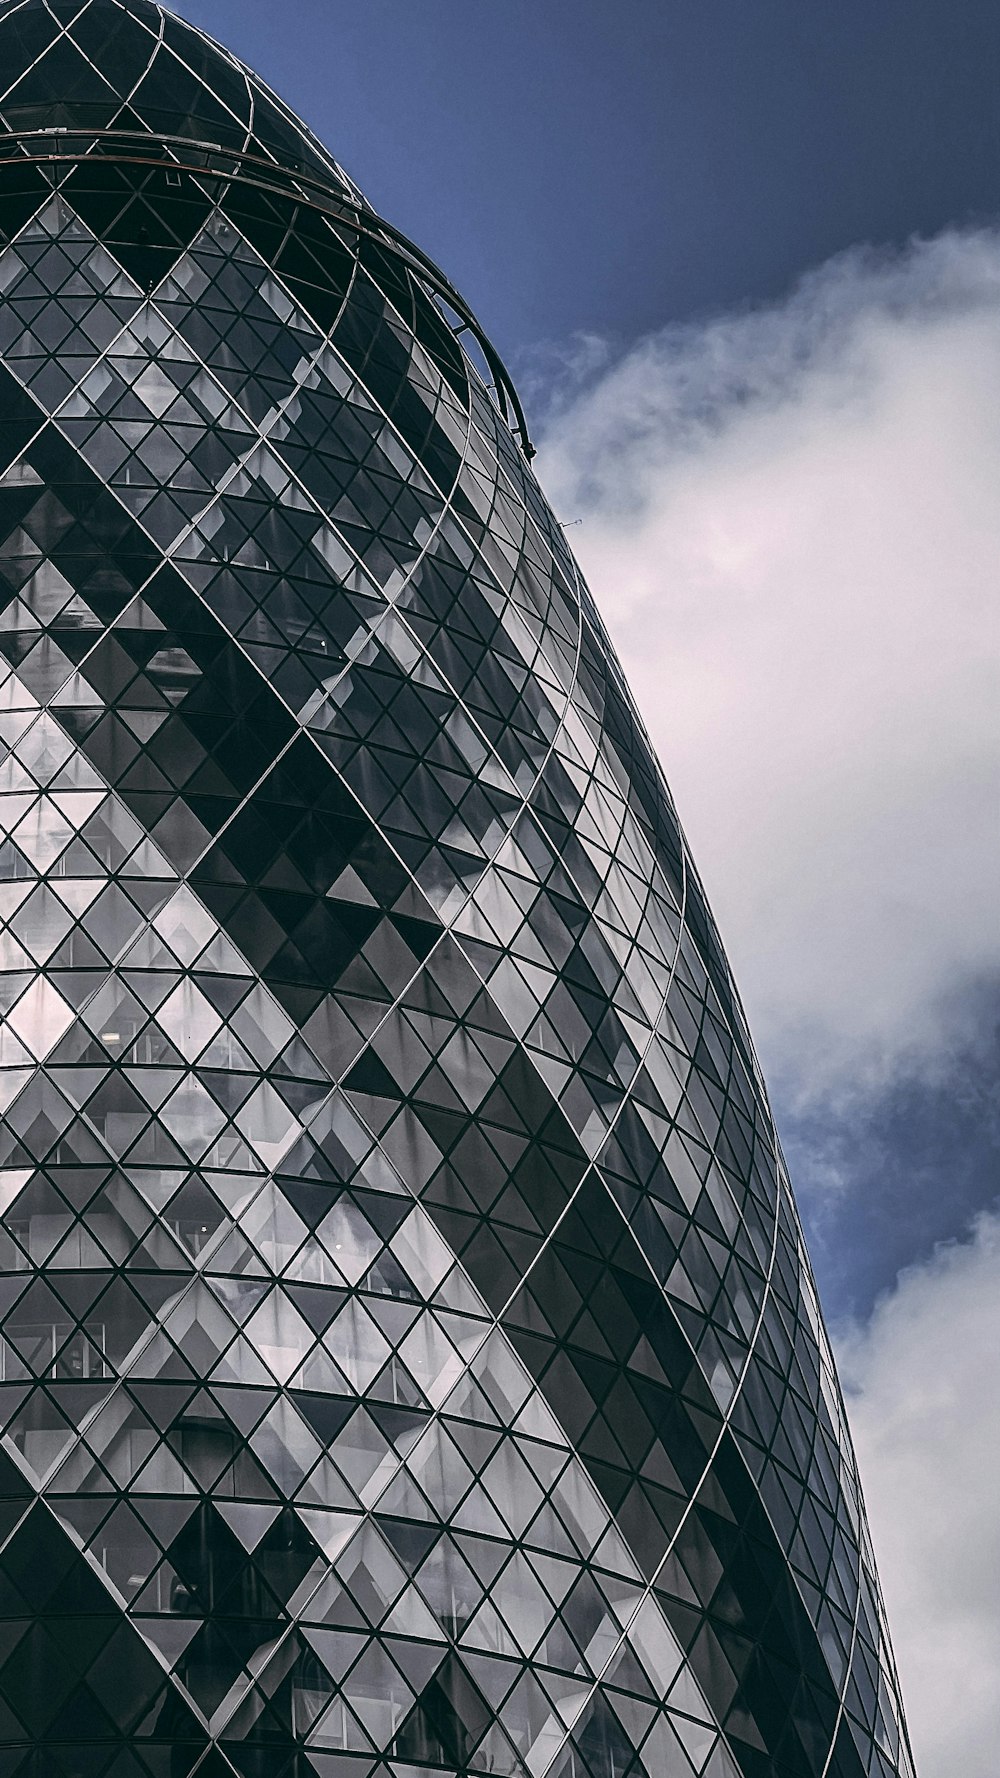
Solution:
(410, 1360)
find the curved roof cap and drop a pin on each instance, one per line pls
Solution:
(130, 65)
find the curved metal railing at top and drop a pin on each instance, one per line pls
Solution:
(53, 147)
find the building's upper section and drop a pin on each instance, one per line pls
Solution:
(124, 85)
(127, 66)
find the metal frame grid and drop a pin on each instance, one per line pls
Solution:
(409, 1357)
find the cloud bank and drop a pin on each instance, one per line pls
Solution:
(924, 1402)
(791, 520)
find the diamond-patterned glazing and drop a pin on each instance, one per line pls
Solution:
(409, 1357)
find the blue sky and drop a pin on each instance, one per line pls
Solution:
(744, 262)
(581, 164)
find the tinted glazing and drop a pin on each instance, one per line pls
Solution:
(409, 1358)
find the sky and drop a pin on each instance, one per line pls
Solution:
(744, 263)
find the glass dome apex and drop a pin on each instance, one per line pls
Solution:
(137, 100)
(132, 66)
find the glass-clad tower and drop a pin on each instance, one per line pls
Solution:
(410, 1361)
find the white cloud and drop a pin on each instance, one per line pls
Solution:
(792, 526)
(924, 1401)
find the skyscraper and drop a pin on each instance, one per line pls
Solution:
(410, 1360)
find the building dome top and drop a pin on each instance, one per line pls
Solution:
(131, 66)
(129, 84)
